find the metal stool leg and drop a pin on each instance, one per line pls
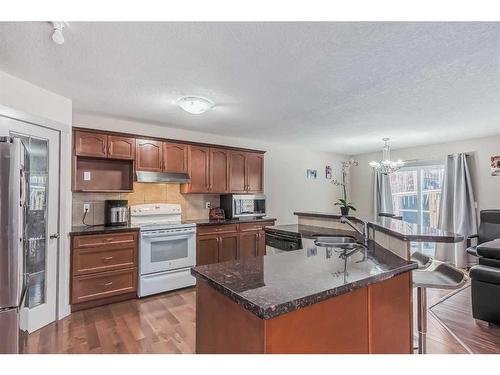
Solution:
(422, 319)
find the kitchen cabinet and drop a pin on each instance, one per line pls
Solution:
(207, 249)
(219, 170)
(254, 172)
(199, 170)
(104, 268)
(90, 144)
(175, 157)
(149, 155)
(121, 147)
(246, 172)
(223, 242)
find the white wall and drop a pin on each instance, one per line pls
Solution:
(286, 186)
(486, 187)
(27, 102)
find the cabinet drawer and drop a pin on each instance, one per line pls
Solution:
(94, 260)
(213, 229)
(102, 285)
(245, 227)
(104, 240)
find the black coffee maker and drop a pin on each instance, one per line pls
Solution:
(115, 212)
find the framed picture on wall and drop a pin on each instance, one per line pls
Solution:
(328, 172)
(495, 165)
(312, 174)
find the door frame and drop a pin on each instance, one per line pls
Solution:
(63, 254)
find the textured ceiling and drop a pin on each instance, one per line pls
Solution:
(335, 86)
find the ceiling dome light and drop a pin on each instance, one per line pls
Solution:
(57, 35)
(195, 105)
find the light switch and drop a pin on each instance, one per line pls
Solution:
(86, 176)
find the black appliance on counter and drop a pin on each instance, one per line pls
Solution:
(278, 242)
(115, 212)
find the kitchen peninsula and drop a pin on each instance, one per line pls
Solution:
(314, 300)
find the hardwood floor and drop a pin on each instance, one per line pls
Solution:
(166, 324)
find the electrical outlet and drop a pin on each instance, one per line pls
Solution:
(86, 207)
(208, 205)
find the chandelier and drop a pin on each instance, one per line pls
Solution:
(386, 166)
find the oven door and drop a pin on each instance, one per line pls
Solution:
(167, 250)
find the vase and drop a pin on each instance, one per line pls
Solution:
(344, 211)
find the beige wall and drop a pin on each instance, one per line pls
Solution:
(285, 182)
(486, 187)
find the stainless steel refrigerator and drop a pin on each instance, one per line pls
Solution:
(12, 270)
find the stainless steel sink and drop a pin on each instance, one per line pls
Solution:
(341, 242)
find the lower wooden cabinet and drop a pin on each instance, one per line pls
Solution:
(104, 268)
(221, 243)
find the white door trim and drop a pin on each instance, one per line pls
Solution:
(65, 195)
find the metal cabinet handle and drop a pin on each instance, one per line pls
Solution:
(108, 283)
(107, 259)
(54, 236)
(103, 149)
(109, 239)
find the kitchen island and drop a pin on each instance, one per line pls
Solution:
(312, 300)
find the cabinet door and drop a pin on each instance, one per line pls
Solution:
(91, 144)
(248, 244)
(219, 170)
(149, 155)
(237, 167)
(175, 157)
(121, 147)
(207, 249)
(199, 158)
(228, 247)
(255, 173)
(261, 243)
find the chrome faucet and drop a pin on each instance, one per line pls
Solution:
(364, 233)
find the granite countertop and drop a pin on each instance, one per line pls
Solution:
(227, 221)
(397, 228)
(101, 229)
(273, 285)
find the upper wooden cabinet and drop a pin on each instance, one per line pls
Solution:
(199, 170)
(175, 157)
(246, 172)
(255, 172)
(90, 144)
(121, 147)
(219, 171)
(149, 155)
(104, 146)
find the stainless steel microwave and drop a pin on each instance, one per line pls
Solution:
(243, 205)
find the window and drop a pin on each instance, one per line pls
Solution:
(416, 193)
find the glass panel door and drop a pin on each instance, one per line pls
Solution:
(40, 219)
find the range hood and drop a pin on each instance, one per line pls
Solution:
(169, 178)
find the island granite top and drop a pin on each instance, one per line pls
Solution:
(396, 228)
(273, 285)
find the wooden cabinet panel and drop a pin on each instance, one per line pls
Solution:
(198, 160)
(175, 157)
(207, 249)
(219, 170)
(103, 285)
(261, 244)
(149, 155)
(121, 147)
(255, 173)
(218, 229)
(96, 259)
(90, 144)
(105, 240)
(249, 242)
(228, 247)
(237, 168)
(245, 227)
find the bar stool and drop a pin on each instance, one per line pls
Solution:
(443, 276)
(422, 260)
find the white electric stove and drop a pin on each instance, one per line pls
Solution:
(167, 248)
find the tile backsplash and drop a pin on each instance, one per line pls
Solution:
(193, 205)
